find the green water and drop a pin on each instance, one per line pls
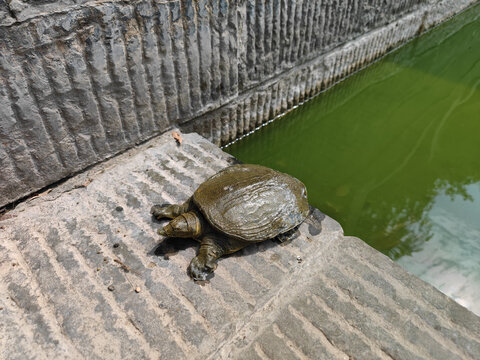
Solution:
(393, 154)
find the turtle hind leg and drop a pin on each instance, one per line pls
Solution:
(171, 211)
(288, 236)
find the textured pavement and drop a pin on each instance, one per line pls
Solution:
(82, 276)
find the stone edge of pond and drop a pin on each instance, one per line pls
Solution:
(82, 275)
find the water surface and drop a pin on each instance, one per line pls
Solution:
(393, 154)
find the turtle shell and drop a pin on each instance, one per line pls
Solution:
(251, 202)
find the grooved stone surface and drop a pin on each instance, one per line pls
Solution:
(64, 293)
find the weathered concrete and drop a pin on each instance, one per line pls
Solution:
(322, 296)
(81, 81)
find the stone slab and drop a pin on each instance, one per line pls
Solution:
(72, 257)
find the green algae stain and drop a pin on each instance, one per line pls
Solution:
(390, 148)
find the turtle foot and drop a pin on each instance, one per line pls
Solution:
(161, 211)
(199, 270)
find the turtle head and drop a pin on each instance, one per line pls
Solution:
(186, 225)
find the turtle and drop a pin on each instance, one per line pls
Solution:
(239, 205)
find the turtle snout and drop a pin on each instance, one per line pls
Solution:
(167, 230)
(162, 232)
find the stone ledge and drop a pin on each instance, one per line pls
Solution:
(321, 296)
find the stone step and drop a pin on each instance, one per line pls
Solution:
(72, 258)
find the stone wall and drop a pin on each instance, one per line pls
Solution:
(81, 81)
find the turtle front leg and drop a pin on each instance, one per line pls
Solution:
(206, 260)
(212, 247)
(171, 211)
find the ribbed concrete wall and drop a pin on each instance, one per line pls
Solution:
(81, 81)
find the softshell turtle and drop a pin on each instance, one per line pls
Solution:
(239, 205)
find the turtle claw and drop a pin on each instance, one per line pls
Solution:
(159, 211)
(199, 270)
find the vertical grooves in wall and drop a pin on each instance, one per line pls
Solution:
(189, 22)
(35, 85)
(224, 65)
(352, 24)
(251, 104)
(33, 125)
(162, 31)
(96, 61)
(283, 86)
(242, 43)
(267, 107)
(225, 134)
(130, 47)
(315, 26)
(349, 9)
(259, 110)
(333, 17)
(246, 115)
(299, 86)
(283, 32)
(277, 89)
(22, 164)
(80, 78)
(250, 31)
(144, 16)
(204, 46)
(233, 46)
(290, 30)
(217, 129)
(240, 120)
(309, 14)
(322, 35)
(137, 70)
(215, 45)
(61, 83)
(268, 37)
(182, 73)
(276, 33)
(259, 40)
(337, 33)
(8, 163)
(52, 65)
(232, 115)
(255, 111)
(64, 133)
(299, 30)
(113, 41)
(303, 85)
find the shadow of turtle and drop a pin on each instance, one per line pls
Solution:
(171, 246)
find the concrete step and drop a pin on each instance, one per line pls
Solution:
(82, 276)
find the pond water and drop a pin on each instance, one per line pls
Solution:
(393, 154)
